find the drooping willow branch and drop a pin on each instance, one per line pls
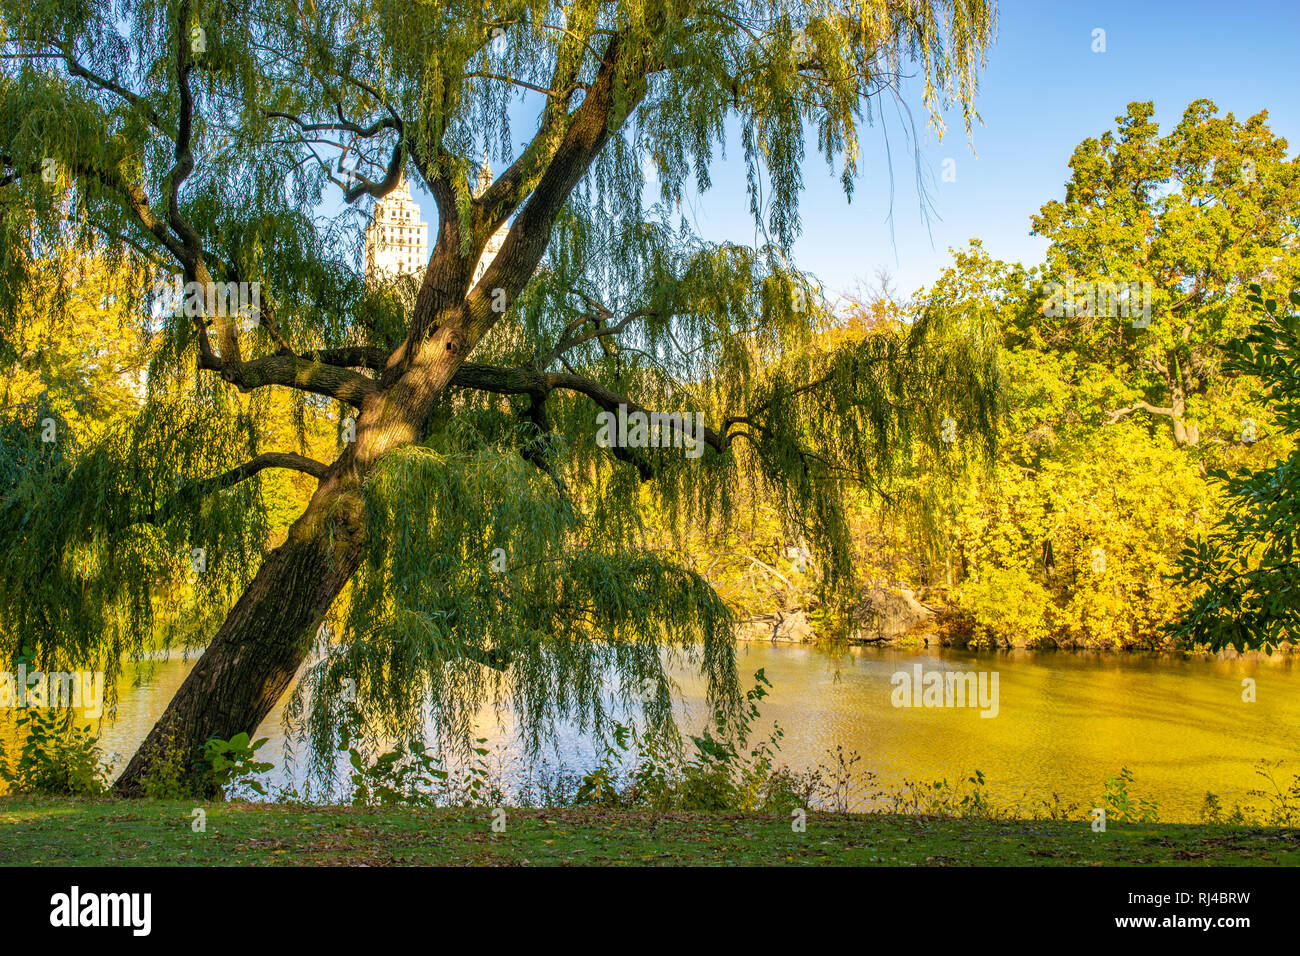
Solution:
(195, 491)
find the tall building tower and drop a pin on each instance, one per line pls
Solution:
(495, 241)
(397, 240)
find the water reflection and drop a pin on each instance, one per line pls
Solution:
(1065, 722)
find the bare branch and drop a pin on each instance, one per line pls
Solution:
(1119, 413)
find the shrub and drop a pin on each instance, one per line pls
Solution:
(57, 756)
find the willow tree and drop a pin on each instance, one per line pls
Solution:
(475, 539)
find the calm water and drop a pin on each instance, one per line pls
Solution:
(1065, 721)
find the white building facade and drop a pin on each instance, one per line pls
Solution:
(397, 239)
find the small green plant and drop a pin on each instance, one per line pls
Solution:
(1121, 806)
(836, 783)
(656, 777)
(478, 789)
(166, 779)
(967, 798)
(1057, 809)
(1281, 807)
(407, 774)
(1211, 808)
(599, 788)
(1283, 801)
(718, 777)
(233, 763)
(57, 756)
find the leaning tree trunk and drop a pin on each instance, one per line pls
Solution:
(258, 650)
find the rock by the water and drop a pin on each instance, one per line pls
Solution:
(886, 614)
(788, 626)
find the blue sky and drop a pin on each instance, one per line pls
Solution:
(1043, 91)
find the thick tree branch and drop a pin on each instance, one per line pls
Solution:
(292, 371)
(76, 69)
(600, 330)
(610, 400)
(386, 185)
(514, 185)
(586, 133)
(1185, 433)
(1119, 413)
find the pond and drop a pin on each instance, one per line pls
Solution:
(1064, 721)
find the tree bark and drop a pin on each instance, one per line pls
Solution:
(261, 645)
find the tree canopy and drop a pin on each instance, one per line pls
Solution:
(244, 143)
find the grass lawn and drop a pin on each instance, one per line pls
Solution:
(103, 832)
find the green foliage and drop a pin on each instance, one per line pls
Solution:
(57, 756)
(1123, 807)
(79, 346)
(1198, 213)
(444, 618)
(967, 799)
(1245, 572)
(1110, 425)
(1081, 549)
(716, 774)
(409, 774)
(477, 789)
(168, 777)
(1282, 800)
(598, 786)
(406, 774)
(1009, 605)
(99, 539)
(231, 764)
